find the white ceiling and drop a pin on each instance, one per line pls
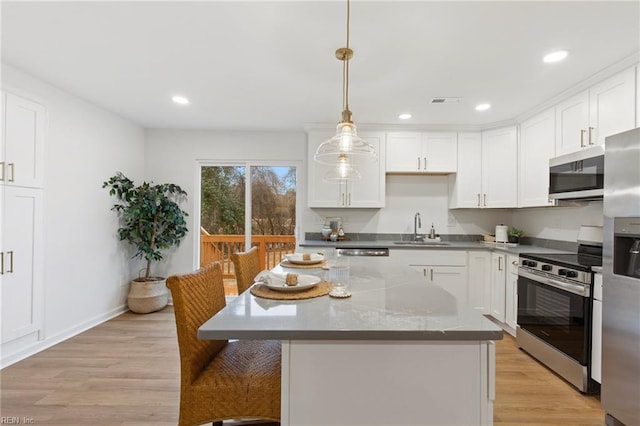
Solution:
(271, 65)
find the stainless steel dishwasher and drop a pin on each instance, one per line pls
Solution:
(362, 252)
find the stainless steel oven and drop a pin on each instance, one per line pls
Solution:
(555, 313)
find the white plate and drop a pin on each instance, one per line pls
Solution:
(305, 282)
(297, 258)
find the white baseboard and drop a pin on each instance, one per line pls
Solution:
(20, 353)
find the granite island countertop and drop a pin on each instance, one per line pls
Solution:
(387, 303)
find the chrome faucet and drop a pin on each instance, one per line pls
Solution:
(417, 223)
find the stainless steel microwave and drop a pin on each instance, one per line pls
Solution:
(578, 175)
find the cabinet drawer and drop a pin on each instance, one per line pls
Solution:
(430, 257)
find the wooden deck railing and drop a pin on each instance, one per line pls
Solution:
(220, 247)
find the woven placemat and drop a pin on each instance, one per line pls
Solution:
(287, 264)
(261, 290)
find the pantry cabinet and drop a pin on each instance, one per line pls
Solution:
(426, 152)
(22, 149)
(367, 192)
(537, 146)
(21, 217)
(587, 118)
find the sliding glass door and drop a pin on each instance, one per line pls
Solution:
(244, 205)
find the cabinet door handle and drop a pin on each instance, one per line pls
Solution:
(10, 270)
(349, 199)
(1, 263)
(418, 163)
(591, 129)
(582, 132)
(425, 163)
(499, 264)
(478, 200)
(424, 271)
(343, 198)
(431, 272)
(485, 200)
(11, 170)
(2, 173)
(514, 263)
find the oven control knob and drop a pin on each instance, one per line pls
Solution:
(530, 263)
(546, 267)
(562, 272)
(572, 274)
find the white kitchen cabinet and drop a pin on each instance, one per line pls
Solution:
(498, 285)
(612, 105)
(446, 268)
(21, 217)
(537, 146)
(21, 262)
(638, 96)
(479, 280)
(465, 187)
(605, 109)
(22, 148)
(368, 192)
(487, 175)
(426, 152)
(500, 167)
(511, 294)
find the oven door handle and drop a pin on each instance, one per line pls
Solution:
(578, 289)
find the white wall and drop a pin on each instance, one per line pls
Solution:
(173, 156)
(558, 223)
(86, 268)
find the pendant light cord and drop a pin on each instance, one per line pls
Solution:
(345, 69)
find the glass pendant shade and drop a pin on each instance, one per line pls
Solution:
(341, 171)
(346, 142)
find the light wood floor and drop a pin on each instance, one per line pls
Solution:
(126, 372)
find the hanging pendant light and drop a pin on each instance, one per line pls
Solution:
(342, 171)
(346, 144)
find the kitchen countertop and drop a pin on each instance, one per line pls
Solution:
(388, 303)
(450, 245)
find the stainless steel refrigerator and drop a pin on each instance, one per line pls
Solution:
(621, 288)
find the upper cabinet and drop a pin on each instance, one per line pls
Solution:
(605, 109)
(22, 146)
(500, 167)
(367, 192)
(487, 175)
(537, 146)
(427, 152)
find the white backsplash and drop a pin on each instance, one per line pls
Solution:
(558, 223)
(407, 195)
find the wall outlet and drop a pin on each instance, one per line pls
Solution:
(451, 220)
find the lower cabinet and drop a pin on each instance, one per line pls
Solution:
(480, 281)
(498, 285)
(504, 290)
(445, 268)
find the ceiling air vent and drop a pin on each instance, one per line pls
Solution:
(445, 100)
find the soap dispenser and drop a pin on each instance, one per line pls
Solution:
(432, 233)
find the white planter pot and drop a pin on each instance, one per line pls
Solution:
(148, 296)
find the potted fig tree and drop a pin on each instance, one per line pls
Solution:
(152, 221)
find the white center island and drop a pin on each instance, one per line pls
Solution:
(398, 352)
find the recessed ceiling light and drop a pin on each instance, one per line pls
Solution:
(483, 107)
(404, 116)
(180, 100)
(555, 56)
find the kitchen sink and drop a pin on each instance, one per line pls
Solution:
(421, 243)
